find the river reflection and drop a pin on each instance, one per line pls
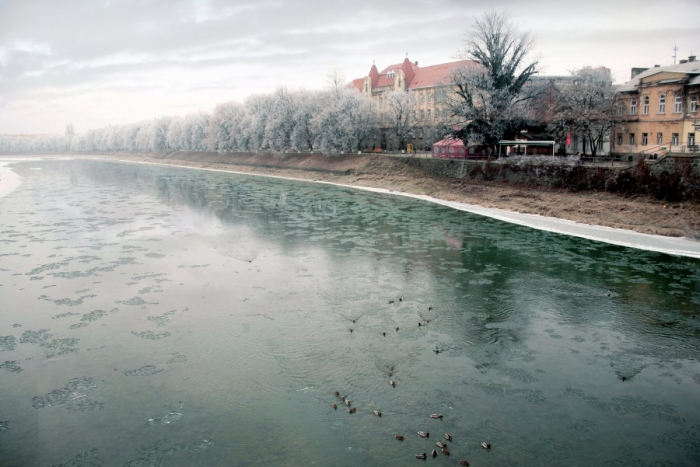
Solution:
(162, 316)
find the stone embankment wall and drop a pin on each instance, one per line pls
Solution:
(669, 178)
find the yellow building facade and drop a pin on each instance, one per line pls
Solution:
(657, 110)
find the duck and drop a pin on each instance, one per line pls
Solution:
(393, 383)
(335, 406)
(485, 445)
(384, 333)
(336, 393)
(350, 330)
(464, 463)
(434, 453)
(434, 415)
(347, 402)
(441, 445)
(378, 413)
(437, 350)
(391, 367)
(448, 437)
(421, 456)
(424, 434)
(390, 302)
(430, 308)
(352, 410)
(419, 324)
(397, 329)
(401, 299)
(399, 437)
(391, 373)
(446, 451)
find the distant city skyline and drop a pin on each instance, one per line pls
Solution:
(100, 62)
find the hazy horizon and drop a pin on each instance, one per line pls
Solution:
(99, 63)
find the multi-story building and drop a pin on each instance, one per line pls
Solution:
(429, 85)
(657, 110)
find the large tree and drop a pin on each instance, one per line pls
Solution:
(586, 107)
(490, 96)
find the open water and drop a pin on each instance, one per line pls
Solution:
(168, 317)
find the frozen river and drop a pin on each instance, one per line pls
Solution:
(163, 316)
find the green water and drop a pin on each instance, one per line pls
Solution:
(158, 316)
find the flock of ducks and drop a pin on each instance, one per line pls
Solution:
(423, 434)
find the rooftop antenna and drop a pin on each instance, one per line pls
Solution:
(675, 49)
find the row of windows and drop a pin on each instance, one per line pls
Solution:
(677, 105)
(659, 139)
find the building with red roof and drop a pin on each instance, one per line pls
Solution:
(429, 84)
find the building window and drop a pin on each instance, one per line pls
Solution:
(422, 98)
(694, 104)
(633, 107)
(631, 138)
(662, 104)
(574, 141)
(645, 139)
(391, 74)
(600, 144)
(645, 108)
(674, 139)
(691, 139)
(678, 104)
(619, 139)
(422, 114)
(659, 138)
(430, 97)
(429, 115)
(621, 109)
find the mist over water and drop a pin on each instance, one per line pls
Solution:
(162, 316)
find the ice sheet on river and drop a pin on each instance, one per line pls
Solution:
(679, 246)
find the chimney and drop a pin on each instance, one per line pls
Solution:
(416, 62)
(636, 71)
(683, 61)
(657, 66)
(691, 58)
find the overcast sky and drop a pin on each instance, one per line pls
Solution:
(97, 62)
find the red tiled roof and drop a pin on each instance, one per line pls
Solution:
(416, 77)
(357, 84)
(437, 74)
(373, 75)
(399, 66)
(449, 141)
(384, 80)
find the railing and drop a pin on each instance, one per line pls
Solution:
(654, 152)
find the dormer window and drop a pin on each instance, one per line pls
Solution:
(391, 74)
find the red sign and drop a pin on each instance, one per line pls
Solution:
(568, 139)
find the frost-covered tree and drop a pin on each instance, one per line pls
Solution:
(397, 112)
(586, 107)
(259, 108)
(280, 121)
(226, 127)
(305, 134)
(345, 122)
